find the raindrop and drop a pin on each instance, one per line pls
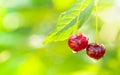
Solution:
(74, 51)
(94, 60)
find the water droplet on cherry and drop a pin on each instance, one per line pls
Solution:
(74, 51)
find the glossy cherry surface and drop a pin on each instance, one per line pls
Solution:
(78, 42)
(95, 51)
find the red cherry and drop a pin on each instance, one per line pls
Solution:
(78, 42)
(95, 51)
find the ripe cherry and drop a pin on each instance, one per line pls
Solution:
(95, 51)
(78, 42)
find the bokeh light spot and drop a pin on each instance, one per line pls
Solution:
(36, 41)
(4, 56)
(12, 21)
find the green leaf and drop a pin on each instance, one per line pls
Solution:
(86, 13)
(69, 21)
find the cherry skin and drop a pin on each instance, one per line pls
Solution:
(78, 42)
(95, 51)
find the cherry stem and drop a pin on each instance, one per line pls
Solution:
(96, 10)
(77, 23)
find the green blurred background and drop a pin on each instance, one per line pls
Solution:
(25, 23)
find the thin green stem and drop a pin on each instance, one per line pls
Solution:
(77, 24)
(96, 22)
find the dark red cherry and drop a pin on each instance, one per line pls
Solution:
(78, 42)
(95, 51)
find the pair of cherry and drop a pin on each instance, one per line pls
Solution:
(78, 42)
